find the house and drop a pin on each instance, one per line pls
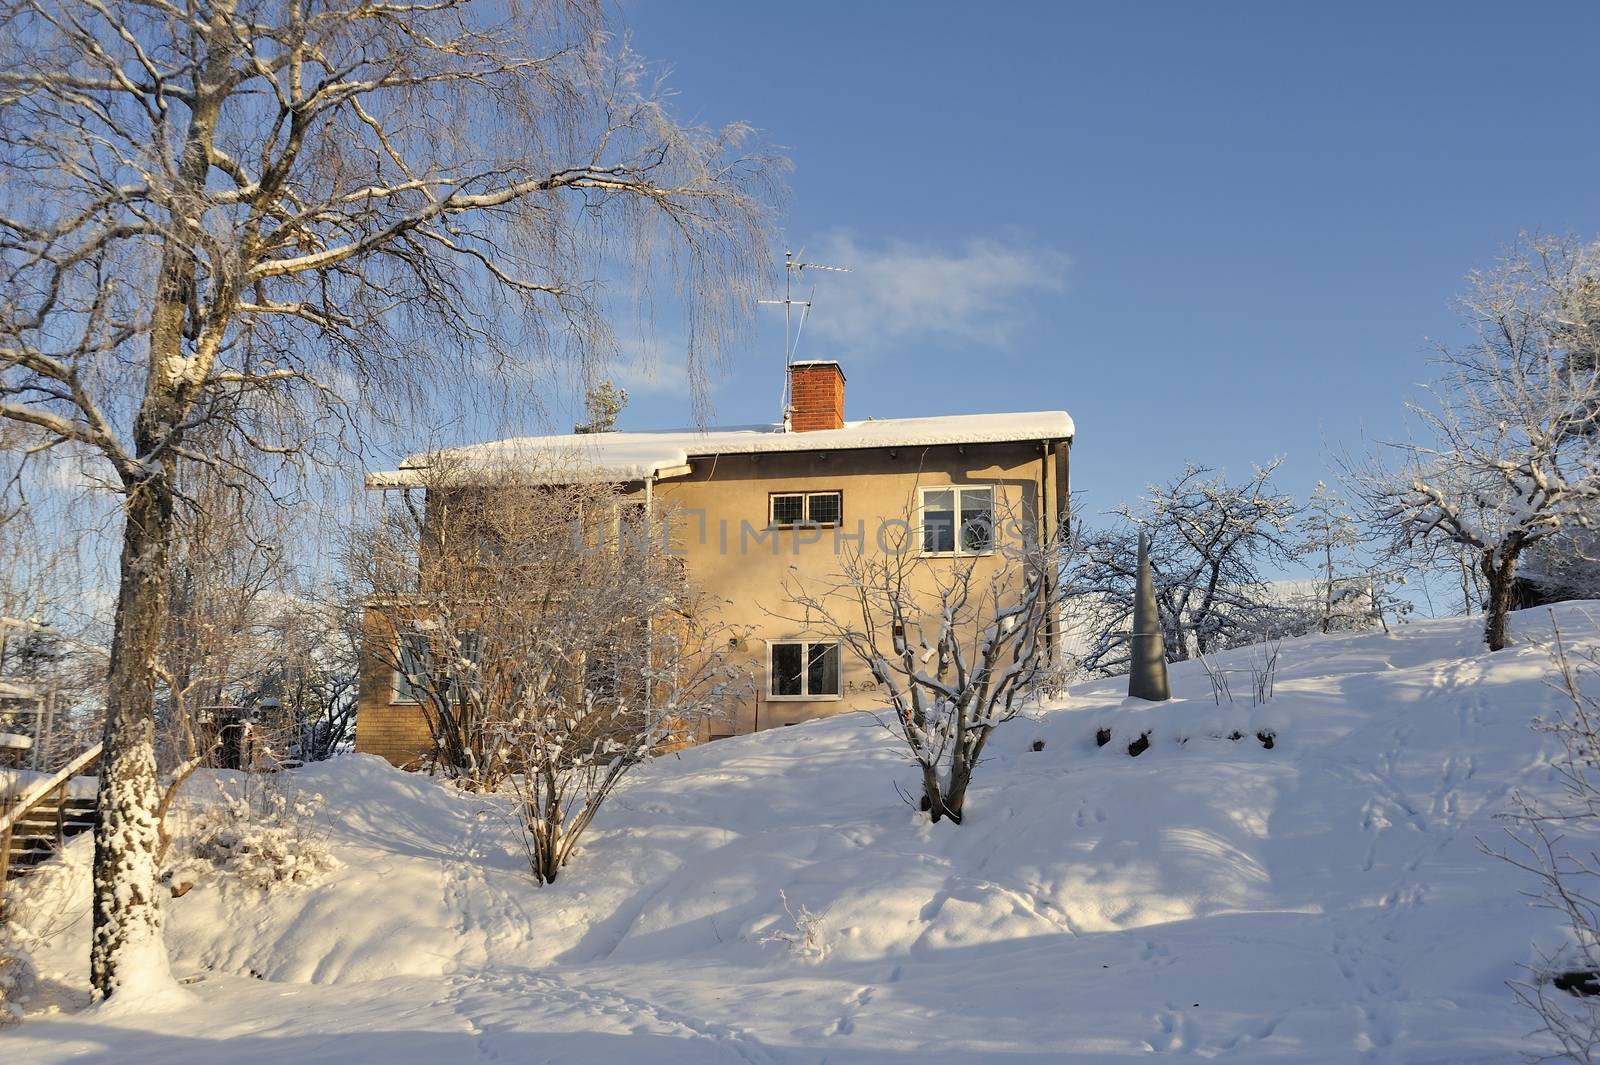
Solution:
(758, 508)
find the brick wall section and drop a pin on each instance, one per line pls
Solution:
(396, 731)
(816, 392)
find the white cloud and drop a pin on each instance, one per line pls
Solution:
(975, 293)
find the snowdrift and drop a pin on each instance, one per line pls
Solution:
(1322, 900)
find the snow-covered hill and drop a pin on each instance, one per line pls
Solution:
(1321, 901)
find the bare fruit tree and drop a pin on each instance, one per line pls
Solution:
(1565, 566)
(1509, 454)
(280, 222)
(541, 624)
(1208, 540)
(957, 641)
(1328, 537)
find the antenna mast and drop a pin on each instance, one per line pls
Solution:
(793, 268)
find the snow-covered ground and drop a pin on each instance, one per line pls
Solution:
(1322, 901)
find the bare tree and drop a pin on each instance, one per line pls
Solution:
(1208, 538)
(47, 622)
(1564, 566)
(546, 632)
(280, 220)
(1328, 537)
(1510, 456)
(227, 582)
(956, 644)
(319, 672)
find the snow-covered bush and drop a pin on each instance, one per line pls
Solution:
(550, 638)
(1559, 844)
(34, 911)
(261, 837)
(16, 974)
(808, 938)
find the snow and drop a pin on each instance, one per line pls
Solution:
(634, 456)
(15, 781)
(1322, 901)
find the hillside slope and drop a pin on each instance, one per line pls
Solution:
(1324, 900)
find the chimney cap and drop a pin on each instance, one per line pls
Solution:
(816, 364)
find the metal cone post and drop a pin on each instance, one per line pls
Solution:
(1147, 666)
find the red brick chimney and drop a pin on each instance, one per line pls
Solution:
(816, 395)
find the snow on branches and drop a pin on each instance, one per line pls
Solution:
(549, 638)
(957, 642)
(1208, 538)
(1509, 454)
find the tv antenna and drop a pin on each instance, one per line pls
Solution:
(793, 268)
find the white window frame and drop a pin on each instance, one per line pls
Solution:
(805, 674)
(805, 521)
(957, 489)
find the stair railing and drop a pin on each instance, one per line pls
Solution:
(33, 796)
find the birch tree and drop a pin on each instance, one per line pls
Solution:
(1507, 455)
(280, 220)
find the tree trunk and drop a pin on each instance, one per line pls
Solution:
(936, 800)
(1500, 577)
(955, 796)
(1327, 594)
(127, 950)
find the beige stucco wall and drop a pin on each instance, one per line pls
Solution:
(722, 510)
(720, 524)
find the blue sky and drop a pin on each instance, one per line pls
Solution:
(1212, 232)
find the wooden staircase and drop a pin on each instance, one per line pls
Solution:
(34, 824)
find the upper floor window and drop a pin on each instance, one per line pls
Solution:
(957, 520)
(806, 508)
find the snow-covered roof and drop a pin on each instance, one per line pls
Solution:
(635, 456)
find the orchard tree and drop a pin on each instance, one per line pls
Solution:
(1208, 539)
(958, 645)
(1508, 454)
(1329, 535)
(280, 219)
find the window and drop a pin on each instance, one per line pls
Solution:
(410, 678)
(806, 508)
(803, 670)
(600, 680)
(416, 669)
(633, 524)
(823, 508)
(957, 520)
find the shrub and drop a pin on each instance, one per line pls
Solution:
(262, 838)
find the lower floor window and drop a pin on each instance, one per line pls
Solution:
(803, 669)
(410, 678)
(419, 676)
